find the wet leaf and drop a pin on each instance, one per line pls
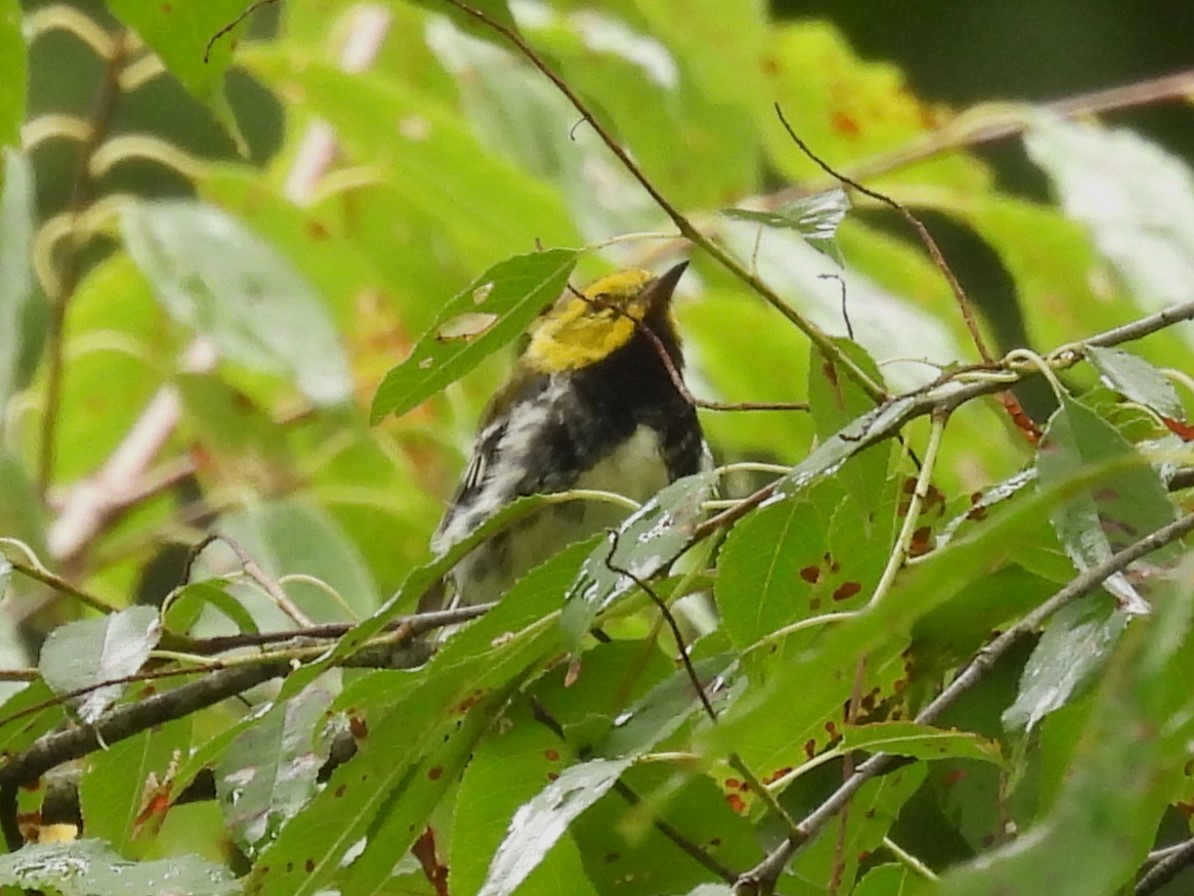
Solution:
(816, 218)
(644, 545)
(269, 772)
(1073, 650)
(1127, 504)
(91, 868)
(538, 824)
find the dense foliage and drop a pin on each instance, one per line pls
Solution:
(935, 635)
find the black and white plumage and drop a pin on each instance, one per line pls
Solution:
(591, 404)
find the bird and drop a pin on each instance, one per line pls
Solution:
(595, 400)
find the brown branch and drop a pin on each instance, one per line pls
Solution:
(763, 876)
(1174, 861)
(248, 11)
(303, 640)
(62, 586)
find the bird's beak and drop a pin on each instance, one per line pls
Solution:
(659, 291)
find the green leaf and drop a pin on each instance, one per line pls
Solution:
(185, 607)
(919, 741)
(1120, 779)
(119, 784)
(839, 850)
(1114, 181)
(645, 544)
(760, 586)
(624, 851)
(20, 332)
(887, 880)
(491, 312)
(186, 36)
(294, 537)
(14, 75)
(1129, 502)
(428, 161)
(816, 218)
(1073, 650)
(1136, 379)
(269, 772)
(837, 650)
(396, 758)
(541, 821)
(91, 868)
(86, 653)
(538, 824)
(213, 274)
(521, 115)
(26, 716)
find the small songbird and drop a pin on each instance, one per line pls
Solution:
(592, 403)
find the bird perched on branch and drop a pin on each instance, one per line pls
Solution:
(595, 401)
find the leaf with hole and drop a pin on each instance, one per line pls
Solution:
(492, 311)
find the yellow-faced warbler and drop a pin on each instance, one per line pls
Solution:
(591, 404)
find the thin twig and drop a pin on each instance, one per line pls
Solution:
(248, 11)
(254, 571)
(922, 232)
(760, 878)
(544, 717)
(62, 586)
(698, 686)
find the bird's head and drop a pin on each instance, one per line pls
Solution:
(583, 328)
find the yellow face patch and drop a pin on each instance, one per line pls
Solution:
(577, 332)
